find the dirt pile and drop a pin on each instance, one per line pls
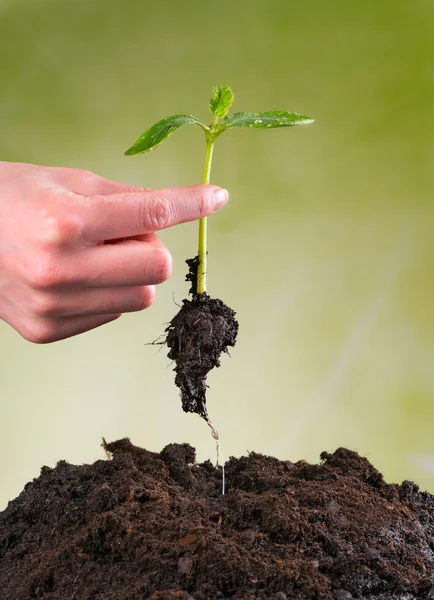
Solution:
(148, 525)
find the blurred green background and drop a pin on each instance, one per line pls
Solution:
(326, 250)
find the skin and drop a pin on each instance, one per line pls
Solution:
(78, 250)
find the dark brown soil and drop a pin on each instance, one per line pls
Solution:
(147, 525)
(197, 336)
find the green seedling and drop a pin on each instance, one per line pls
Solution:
(205, 327)
(219, 107)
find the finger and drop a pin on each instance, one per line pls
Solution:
(136, 213)
(106, 301)
(61, 329)
(44, 331)
(127, 263)
(145, 237)
(85, 182)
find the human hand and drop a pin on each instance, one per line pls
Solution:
(78, 250)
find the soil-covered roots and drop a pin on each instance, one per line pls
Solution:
(203, 329)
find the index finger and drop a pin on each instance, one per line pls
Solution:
(136, 213)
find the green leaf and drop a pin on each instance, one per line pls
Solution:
(265, 120)
(222, 100)
(160, 131)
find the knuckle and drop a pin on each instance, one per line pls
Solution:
(88, 176)
(59, 229)
(204, 208)
(160, 213)
(40, 332)
(43, 305)
(90, 182)
(44, 273)
(75, 176)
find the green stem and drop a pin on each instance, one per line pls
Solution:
(202, 250)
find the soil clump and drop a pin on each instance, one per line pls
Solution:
(155, 526)
(197, 335)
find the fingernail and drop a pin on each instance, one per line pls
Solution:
(220, 198)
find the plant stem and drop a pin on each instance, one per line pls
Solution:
(202, 250)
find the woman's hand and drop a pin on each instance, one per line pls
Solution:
(78, 250)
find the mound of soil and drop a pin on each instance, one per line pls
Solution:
(155, 526)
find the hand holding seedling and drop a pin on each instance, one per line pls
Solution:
(78, 250)
(205, 327)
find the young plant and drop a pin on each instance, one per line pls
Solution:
(205, 327)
